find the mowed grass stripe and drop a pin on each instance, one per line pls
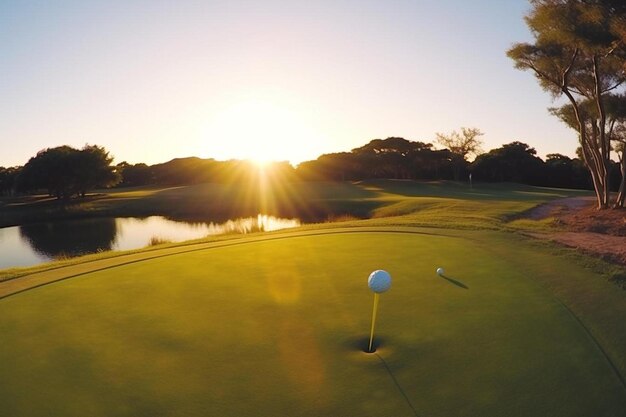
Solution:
(59, 273)
(277, 328)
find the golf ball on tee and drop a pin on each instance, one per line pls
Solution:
(379, 281)
(440, 271)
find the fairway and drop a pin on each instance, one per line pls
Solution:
(278, 327)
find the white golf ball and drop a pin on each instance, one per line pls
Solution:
(440, 271)
(379, 281)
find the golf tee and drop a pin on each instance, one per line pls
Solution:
(374, 311)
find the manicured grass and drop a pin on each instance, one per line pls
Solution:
(278, 327)
(419, 203)
(276, 324)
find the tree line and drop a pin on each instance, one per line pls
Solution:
(398, 158)
(65, 172)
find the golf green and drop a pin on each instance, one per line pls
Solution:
(278, 327)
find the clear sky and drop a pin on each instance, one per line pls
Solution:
(286, 80)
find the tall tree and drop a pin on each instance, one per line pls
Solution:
(615, 116)
(65, 171)
(579, 53)
(461, 145)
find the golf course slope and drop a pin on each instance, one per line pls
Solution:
(279, 325)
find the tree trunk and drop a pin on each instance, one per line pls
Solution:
(602, 141)
(590, 155)
(592, 165)
(621, 194)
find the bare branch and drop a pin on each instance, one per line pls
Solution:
(614, 86)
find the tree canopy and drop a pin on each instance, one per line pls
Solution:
(513, 162)
(65, 171)
(461, 145)
(579, 52)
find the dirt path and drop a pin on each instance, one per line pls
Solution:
(601, 233)
(559, 207)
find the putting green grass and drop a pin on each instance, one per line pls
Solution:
(278, 327)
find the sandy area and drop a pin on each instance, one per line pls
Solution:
(599, 232)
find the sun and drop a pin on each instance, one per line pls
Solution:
(262, 163)
(260, 131)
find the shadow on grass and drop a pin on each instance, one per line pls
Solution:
(455, 282)
(361, 344)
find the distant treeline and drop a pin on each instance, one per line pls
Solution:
(66, 172)
(394, 158)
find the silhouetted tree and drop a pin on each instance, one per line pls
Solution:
(51, 169)
(340, 166)
(433, 164)
(93, 169)
(135, 175)
(387, 158)
(191, 170)
(8, 179)
(65, 171)
(513, 162)
(564, 172)
(394, 157)
(461, 145)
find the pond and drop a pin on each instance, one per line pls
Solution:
(32, 244)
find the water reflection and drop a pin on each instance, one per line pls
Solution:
(70, 238)
(32, 244)
(261, 223)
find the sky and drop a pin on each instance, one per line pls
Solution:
(267, 80)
